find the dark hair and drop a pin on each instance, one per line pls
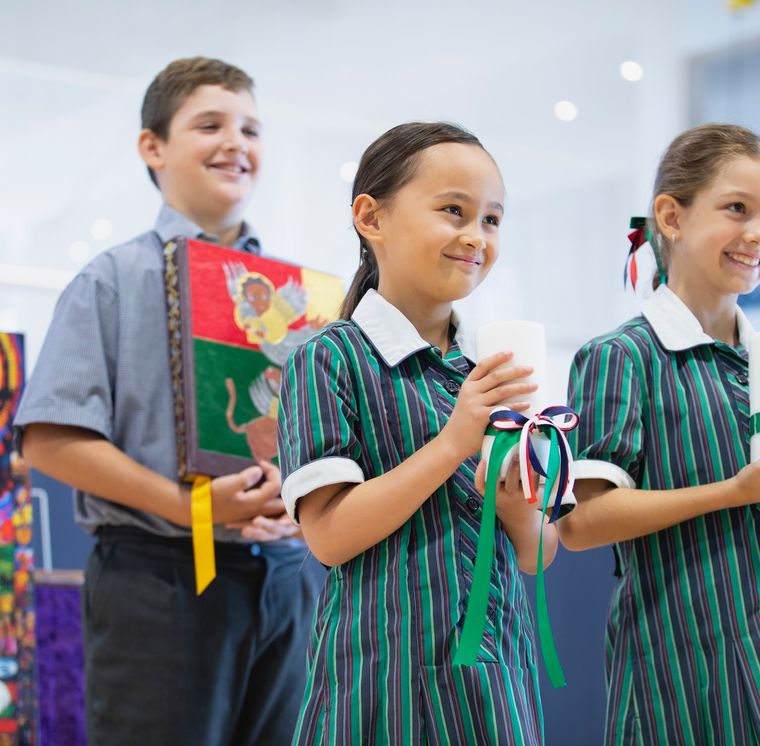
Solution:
(176, 82)
(688, 166)
(387, 165)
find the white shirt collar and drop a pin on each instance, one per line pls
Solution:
(678, 328)
(392, 334)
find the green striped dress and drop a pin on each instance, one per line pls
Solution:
(662, 406)
(357, 400)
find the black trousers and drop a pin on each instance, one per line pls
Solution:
(166, 667)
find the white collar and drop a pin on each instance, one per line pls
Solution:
(392, 334)
(678, 328)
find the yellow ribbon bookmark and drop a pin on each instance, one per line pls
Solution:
(203, 533)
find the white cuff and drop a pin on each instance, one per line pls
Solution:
(320, 473)
(591, 469)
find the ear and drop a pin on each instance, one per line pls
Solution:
(364, 211)
(667, 215)
(151, 148)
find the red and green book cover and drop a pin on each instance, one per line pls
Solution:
(234, 318)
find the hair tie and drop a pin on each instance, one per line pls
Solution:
(638, 236)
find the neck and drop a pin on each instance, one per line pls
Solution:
(431, 320)
(716, 312)
(226, 229)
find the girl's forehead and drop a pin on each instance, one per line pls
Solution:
(741, 174)
(456, 165)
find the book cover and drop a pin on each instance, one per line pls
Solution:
(234, 318)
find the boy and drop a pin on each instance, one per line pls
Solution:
(164, 666)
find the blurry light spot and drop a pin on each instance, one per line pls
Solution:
(565, 110)
(631, 71)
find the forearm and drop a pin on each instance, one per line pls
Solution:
(606, 514)
(93, 464)
(524, 526)
(360, 516)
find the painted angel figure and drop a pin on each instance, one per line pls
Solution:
(262, 311)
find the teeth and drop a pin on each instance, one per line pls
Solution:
(747, 260)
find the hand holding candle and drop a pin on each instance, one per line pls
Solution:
(539, 440)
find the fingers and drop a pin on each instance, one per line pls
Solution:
(485, 366)
(508, 391)
(267, 529)
(506, 375)
(480, 477)
(512, 479)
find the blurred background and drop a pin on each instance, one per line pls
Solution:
(576, 101)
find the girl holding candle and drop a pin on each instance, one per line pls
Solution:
(382, 415)
(661, 461)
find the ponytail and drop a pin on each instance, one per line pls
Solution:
(366, 278)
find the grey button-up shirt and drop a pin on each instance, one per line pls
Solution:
(104, 365)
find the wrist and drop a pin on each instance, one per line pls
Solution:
(451, 451)
(178, 505)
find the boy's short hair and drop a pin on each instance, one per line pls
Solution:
(177, 81)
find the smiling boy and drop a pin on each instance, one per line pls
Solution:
(164, 666)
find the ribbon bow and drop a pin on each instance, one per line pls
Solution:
(512, 428)
(559, 419)
(638, 237)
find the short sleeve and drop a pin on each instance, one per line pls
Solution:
(604, 391)
(316, 430)
(72, 381)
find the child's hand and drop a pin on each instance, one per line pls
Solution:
(263, 529)
(510, 498)
(251, 492)
(748, 484)
(482, 390)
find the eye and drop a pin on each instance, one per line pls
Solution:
(250, 132)
(492, 220)
(453, 210)
(209, 126)
(738, 207)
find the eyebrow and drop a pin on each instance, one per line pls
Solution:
(466, 198)
(215, 113)
(738, 193)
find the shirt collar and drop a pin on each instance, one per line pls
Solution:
(392, 334)
(172, 223)
(678, 328)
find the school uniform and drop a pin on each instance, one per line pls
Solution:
(162, 664)
(357, 400)
(662, 406)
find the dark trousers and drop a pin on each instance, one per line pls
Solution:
(166, 667)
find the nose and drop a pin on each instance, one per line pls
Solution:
(235, 141)
(473, 239)
(752, 231)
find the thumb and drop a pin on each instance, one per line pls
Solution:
(249, 477)
(480, 477)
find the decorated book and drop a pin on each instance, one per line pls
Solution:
(234, 318)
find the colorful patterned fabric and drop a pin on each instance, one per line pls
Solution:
(357, 400)
(664, 406)
(17, 675)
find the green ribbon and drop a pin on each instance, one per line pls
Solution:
(475, 617)
(754, 424)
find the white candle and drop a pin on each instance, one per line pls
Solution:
(754, 391)
(526, 340)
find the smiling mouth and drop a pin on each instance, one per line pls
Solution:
(466, 260)
(230, 168)
(748, 261)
